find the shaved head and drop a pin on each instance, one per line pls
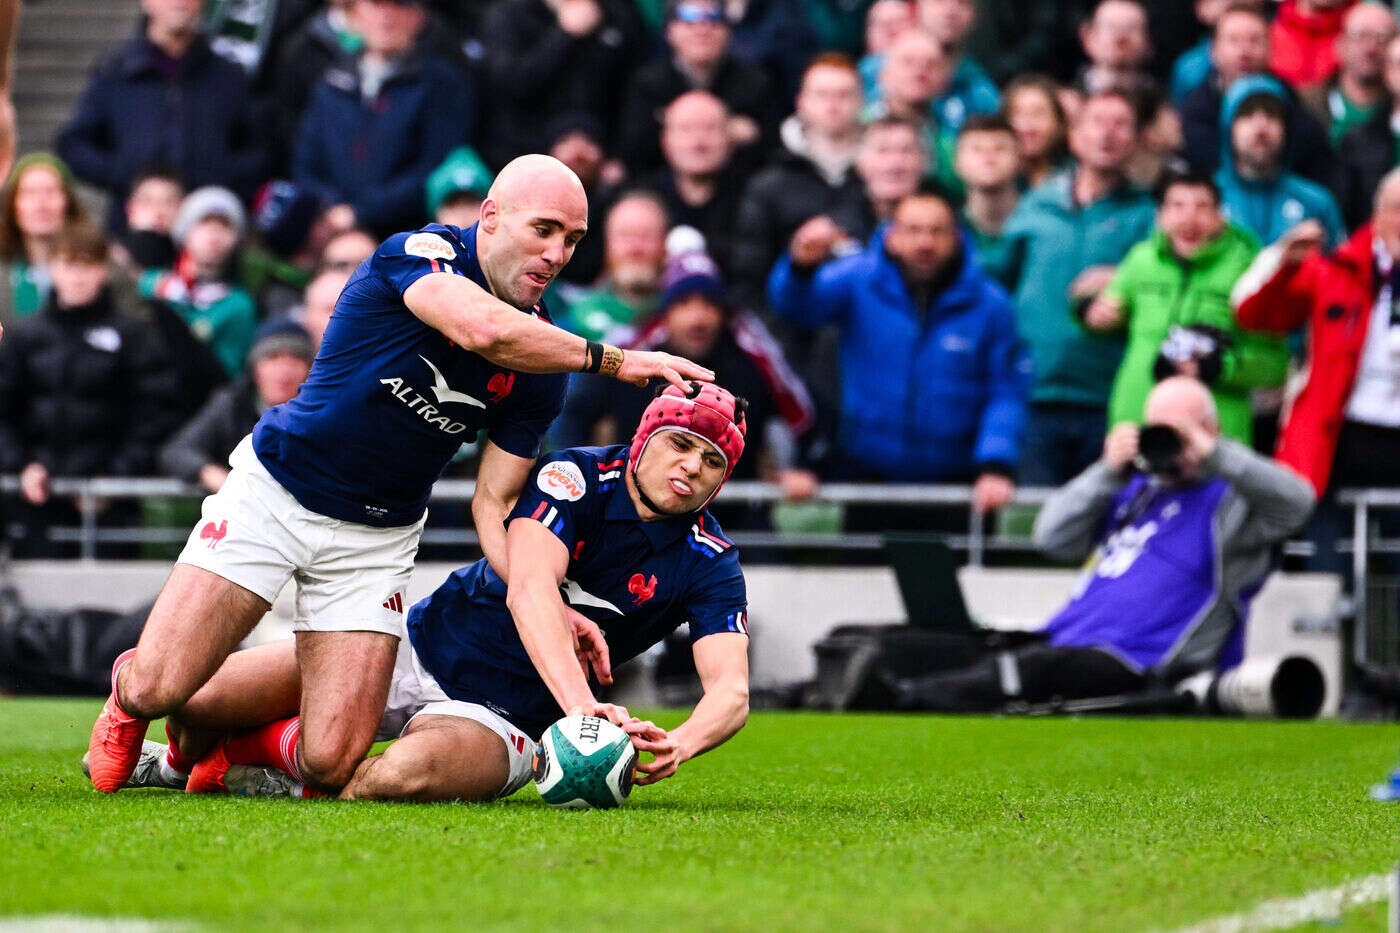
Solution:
(1181, 397)
(531, 179)
(532, 218)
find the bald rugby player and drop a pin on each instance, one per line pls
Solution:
(439, 334)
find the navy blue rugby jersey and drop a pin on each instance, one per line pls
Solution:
(638, 580)
(390, 399)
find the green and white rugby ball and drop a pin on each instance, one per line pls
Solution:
(584, 761)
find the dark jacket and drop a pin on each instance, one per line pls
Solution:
(210, 436)
(304, 59)
(1308, 151)
(714, 219)
(376, 156)
(1363, 157)
(537, 72)
(131, 116)
(745, 90)
(928, 394)
(778, 200)
(84, 391)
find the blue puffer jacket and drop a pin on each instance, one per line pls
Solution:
(376, 155)
(927, 397)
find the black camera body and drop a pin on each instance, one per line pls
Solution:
(1159, 450)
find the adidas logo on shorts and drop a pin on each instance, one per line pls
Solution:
(394, 603)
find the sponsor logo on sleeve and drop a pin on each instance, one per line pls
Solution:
(429, 246)
(562, 480)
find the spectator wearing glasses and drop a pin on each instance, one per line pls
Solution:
(1353, 95)
(1369, 150)
(698, 58)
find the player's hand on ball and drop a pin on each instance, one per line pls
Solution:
(1121, 446)
(666, 759)
(589, 646)
(641, 366)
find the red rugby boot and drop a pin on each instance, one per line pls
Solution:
(207, 776)
(115, 745)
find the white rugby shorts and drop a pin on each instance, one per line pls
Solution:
(414, 692)
(350, 577)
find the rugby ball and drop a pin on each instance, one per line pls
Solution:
(583, 762)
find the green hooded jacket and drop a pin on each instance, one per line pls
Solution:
(1159, 290)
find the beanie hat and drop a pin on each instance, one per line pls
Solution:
(462, 170)
(281, 335)
(689, 274)
(202, 203)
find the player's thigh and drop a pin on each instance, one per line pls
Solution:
(344, 684)
(251, 688)
(198, 618)
(438, 758)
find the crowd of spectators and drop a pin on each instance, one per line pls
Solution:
(934, 240)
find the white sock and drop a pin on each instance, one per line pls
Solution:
(168, 773)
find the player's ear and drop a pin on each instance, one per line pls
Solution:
(490, 215)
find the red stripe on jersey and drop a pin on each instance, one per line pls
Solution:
(540, 510)
(616, 463)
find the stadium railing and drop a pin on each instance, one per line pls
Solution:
(1373, 642)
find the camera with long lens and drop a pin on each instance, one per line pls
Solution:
(1159, 450)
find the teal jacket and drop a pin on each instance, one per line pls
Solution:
(1049, 240)
(1268, 209)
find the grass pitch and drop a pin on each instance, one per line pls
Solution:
(804, 821)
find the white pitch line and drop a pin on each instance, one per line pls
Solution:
(67, 923)
(1283, 913)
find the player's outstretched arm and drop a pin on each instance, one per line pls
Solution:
(538, 561)
(473, 318)
(722, 661)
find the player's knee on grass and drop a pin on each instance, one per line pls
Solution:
(329, 765)
(388, 777)
(148, 688)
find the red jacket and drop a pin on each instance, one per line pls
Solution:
(1303, 45)
(1335, 295)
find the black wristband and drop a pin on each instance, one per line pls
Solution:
(592, 357)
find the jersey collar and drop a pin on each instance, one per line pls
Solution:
(660, 533)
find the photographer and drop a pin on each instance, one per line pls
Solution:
(1178, 525)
